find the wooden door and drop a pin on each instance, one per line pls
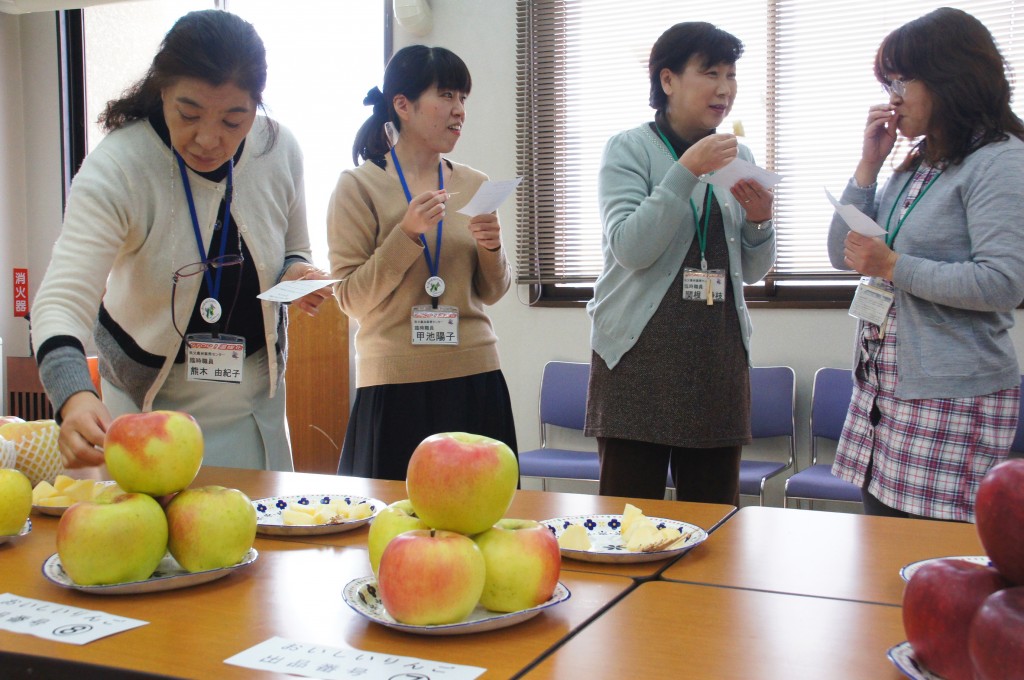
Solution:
(318, 378)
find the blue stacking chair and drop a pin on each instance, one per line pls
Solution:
(830, 400)
(772, 403)
(563, 403)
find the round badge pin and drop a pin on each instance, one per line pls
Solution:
(435, 286)
(210, 309)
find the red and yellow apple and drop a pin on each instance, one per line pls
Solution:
(111, 541)
(523, 562)
(156, 453)
(15, 501)
(939, 602)
(999, 513)
(996, 636)
(210, 527)
(461, 482)
(393, 520)
(430, 577)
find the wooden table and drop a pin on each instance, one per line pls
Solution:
(826, 554)
(674, 630)
(293, 590)
(537, 505)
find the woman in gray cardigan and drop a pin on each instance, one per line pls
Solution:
(937, 384)
(669, 381)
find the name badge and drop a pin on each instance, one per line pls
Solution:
(435, 326)
(871, 303)
(209, 359)
(704, 286)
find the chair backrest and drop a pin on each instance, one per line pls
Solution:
(830, 401)
(563, 395)
(772, 404)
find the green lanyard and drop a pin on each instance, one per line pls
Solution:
(890, 236)
(701, 226)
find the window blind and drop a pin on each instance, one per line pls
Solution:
(805, 82)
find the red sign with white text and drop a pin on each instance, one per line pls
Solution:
(21, 292)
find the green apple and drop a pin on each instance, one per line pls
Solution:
(210, 527)
(395, 519)
(114, 540)
(155, 453)
(523, 563)
(430, 577)
(461, 482)
(15, 501)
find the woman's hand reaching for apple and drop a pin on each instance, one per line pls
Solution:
(83, 429)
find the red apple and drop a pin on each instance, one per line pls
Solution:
(461, 482)
(996, 636)
(523, 562)
(156, 453)
(938, 604)
(430, 577)
(999, 512)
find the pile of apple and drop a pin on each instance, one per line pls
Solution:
(446, 549)
(119, 538)
(965, 621)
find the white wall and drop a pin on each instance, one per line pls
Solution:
(483, 34)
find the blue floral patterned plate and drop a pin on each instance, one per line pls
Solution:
(902, 656)
(26, 528)
(362, 596)
(910, 569)
(606, 538)
(269, 522)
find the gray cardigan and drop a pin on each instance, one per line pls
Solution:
(959, 275)
(648, 228)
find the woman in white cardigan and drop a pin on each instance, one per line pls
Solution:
(190, 207)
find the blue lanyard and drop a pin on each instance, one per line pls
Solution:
(700, 226)
(433, 265)
(213, 285)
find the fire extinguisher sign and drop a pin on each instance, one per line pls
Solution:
(21, 292)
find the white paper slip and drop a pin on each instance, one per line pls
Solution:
(739, 169)
(857, 221)
(490, 196)
(58, 622)
(281, 655)
(287, 291)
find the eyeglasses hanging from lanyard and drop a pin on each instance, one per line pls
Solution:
(211, 308)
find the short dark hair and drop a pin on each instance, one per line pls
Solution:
(409, 72)
(957, 59)
(676, 46)
(211, 45)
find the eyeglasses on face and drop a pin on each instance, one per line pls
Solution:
(213, 263)
(896, 86)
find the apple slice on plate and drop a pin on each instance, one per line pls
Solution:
(363, 596)
(314, 514)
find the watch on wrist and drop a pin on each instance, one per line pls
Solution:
(765, 224)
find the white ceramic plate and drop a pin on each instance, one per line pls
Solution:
(169, 575)
(361, 594)
(268, 514)
(902, 656)
(909, 570)
(606, 539)
(26, 528)
(58, 510)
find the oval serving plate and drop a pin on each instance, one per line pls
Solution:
(268, 514)
(58, 510)
(909, 570)
(606, 539)
(902, 656)
(362, 596)
(169, 575)
(26, 528)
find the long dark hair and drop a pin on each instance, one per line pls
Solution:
(410, 72)
(957, 59)
(679, 43)
(211, 45)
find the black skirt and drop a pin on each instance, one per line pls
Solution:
(388, 422)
